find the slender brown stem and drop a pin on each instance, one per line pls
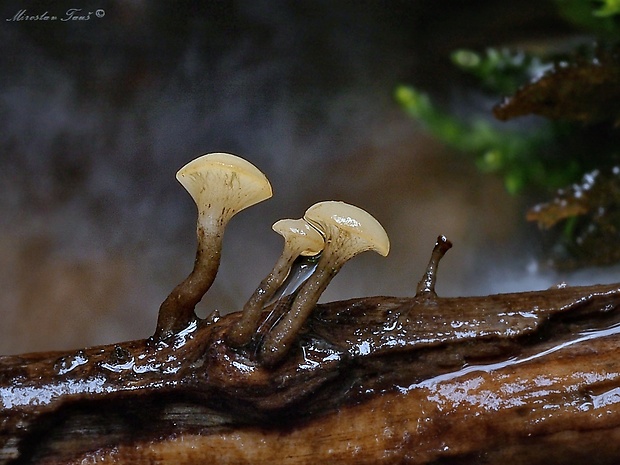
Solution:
(177, 311)
(279, 340)
(426, 286)
(242, 331)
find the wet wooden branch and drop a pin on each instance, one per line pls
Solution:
(527, 378)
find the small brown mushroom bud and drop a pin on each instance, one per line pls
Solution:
(348, 231)
(426, 286)
(222, 185)
(299, 239)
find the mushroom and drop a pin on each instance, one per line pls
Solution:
(426, 286)
(348, 231)
(299, 239)
(222, 185)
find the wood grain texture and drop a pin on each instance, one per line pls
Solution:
(526, 377)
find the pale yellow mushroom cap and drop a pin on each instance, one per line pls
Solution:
(299, 235)
(222, 185)
(358, 228)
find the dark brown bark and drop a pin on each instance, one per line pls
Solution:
(425, 380)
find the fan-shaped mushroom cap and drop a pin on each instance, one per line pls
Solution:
(222, 185)
(300, 236)
(362, 230)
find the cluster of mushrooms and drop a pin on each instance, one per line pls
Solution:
(330, 233)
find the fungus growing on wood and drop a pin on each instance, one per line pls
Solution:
(348, 231)
(299, 239)
(426, 286)
(222, 185)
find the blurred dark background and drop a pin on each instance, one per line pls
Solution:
(98, 115)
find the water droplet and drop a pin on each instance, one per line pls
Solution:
(69, 362)
(300, 271)
(120, 359)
